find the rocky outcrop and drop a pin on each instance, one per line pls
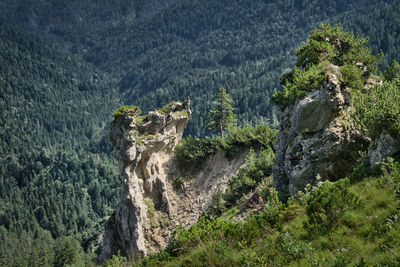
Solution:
(156, 198)
(382, 147)
(316, 137)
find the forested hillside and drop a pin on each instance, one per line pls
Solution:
(382, 26)
(162, 52)
(60, 87)
(57, 173)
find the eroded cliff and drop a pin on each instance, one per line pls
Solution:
(152, 203)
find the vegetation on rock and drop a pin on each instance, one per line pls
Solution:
(327, 45)
(124, 109)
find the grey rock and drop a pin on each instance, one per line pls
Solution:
(316, 137)
(381, 148)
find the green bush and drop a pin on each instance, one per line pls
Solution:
(352, 76)
(392, 72)
(256, 170)
(327, 203)
(298, 84)
(194, 150)
(119, 112)
(326, 45)
(293, 247)
(378, 109)
(362, 169)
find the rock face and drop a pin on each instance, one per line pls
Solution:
(381, 148)
(152, 202)
(316, 137)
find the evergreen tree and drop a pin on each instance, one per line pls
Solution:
(222, 117)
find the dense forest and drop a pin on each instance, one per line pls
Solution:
(161, 51)
(57, 174)
(60, 86)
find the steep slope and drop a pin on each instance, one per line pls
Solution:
(56, 169)
(163, 51)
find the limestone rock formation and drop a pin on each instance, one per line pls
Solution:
(316, 137)
(152, 205)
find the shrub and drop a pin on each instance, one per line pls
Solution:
(194, 150)
(293, 247)
(378, 109)
(352, 76)
(298, 84)
(326, 45)
(120, 112)
(392, 72)
(166, 108)
(327, 203)
(256, 170)
(362, 168)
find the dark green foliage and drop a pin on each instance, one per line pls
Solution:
(327, 204)
(298, 83)
(195, 150)
(362, 169)
(40, 250)
(164, 50)
(57, 173)
(327, 45)
(221, 118)
(392, 72)
(65, 252)
(383, 32)
(217, 207)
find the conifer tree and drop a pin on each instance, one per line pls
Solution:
(222, 117)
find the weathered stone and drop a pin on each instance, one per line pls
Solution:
(316, 137)
(151, 207)
(312, 113)
(381, 148)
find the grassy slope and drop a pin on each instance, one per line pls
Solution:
(368, 231)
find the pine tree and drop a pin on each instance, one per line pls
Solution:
(222, 117)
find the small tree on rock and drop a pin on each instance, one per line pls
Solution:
(221, 117)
